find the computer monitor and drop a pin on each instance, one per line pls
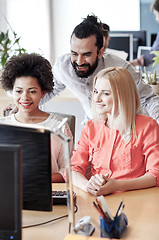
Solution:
(143, 50)
(10, 191)
(139, 39)
(122, 42)
(36, 163)
(153, 38)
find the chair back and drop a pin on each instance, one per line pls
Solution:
(71, 121)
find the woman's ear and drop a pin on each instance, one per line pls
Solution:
(43, 94)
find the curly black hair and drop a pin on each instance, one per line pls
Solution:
(33, 65)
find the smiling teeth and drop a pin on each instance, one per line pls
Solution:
(26, 104)
(81, 67)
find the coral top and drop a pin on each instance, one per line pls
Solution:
(108, 153)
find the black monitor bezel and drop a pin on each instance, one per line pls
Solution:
(119, 37)
(40, 203)
(16, 150)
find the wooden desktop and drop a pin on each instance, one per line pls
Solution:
(141, 208)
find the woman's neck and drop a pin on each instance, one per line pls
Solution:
(40, 116)
(107, 121)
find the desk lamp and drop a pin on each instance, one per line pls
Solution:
(83, 226)
(70, 204)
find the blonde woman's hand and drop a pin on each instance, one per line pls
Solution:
(110, 186)
(94, 184)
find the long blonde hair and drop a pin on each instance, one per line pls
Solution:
(126, 100)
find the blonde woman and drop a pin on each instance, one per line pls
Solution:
(121, 145)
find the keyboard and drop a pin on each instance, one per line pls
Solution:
(60, 197)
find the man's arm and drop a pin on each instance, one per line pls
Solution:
(149, 100)
(58, 87)
(59, 74)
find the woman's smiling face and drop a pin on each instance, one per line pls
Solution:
(103, 97)
(27, 94)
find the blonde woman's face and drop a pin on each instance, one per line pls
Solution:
(103, 98)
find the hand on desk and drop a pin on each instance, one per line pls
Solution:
(101, 185)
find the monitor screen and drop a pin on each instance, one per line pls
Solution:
(139, 39)
(122, 42)
(10, 191)
(142, 50)
(36, 163)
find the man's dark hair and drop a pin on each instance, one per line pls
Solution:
(89, 27)
(105, 29)
(28, 65)
(155, 6)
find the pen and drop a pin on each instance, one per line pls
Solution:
(120, 205)
(121, 209)
(106, 216)
(99, 210)
(102, 203)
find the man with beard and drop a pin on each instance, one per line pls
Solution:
(76, 71)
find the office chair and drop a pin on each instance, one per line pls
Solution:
(71, 121)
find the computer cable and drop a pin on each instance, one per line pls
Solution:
(51, 220)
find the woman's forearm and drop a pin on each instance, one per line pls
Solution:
(114, 185)
(144, 181)
(79, 180)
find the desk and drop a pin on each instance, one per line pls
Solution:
(141, 208)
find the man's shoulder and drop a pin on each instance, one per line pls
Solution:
(111, 60)
(64, 59)
(63, 65)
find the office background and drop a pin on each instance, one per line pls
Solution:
(45, 26)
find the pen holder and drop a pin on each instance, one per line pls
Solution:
(113, 228)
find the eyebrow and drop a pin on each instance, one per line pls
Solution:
(82, 53)
(106, 90)
(28, 88)
(103, 90)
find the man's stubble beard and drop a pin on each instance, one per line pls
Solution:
(90, 70)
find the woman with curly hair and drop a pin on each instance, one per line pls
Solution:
(29, 77)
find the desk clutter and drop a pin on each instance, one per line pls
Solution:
(110, 227)
(152, 79)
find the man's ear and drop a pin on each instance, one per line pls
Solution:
(100, 54)
(43, 94)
